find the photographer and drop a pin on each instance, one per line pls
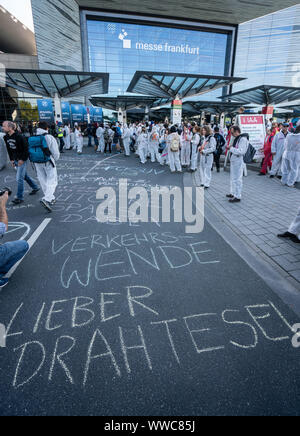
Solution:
(11, 252)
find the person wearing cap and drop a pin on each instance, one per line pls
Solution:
(278, 147)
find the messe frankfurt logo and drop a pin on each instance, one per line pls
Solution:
(126, 42)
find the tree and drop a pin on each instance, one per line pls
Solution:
(28, 112)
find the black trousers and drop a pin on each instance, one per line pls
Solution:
(107, 144)
(217, 158)
(62, 144)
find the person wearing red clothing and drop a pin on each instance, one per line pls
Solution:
(268, 153)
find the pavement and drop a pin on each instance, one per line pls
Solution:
(139, 319)
(266, 210)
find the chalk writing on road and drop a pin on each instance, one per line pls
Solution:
(111, 344)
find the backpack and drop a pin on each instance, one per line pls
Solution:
(175, 144)
(38, 149)
(106, 136)
(154, 137)
(250, 153)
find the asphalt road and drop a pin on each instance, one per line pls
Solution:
(137, 319)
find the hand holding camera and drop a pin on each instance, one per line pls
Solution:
(4, 194)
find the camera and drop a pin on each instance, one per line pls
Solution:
(4, 190)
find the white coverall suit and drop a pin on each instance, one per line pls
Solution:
(174, 157)
(278, 146)
(142, 144)
(100, 136)
(207, 160)
(196, 142)
(47, 173)
(295, 226)
(78, 141)
(186, 139)
(126, 140)
(291, 160)
(67, 138)
(237, 166)
(153, 146)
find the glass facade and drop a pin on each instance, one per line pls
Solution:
(121, 49)
(268, 50)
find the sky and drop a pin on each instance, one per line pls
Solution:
(21, 9)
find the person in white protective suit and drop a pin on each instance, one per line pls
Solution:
(154, 144)
(78, 140)
(237, 152)
(278, 146)
(100, 136)
(72, 139)
(164, 159)
(174, 147)
(186, 141)
(291, 159)
(126, 139)
(142, 145)
(196, 143)
(67, 138)
(207, 156)
(294, 231)
(47, 173)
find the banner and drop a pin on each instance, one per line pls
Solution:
(96, 114)
(85, 114)
(255, 126)
(176, 112)
(66, 112)
(77, 113)
(46, 112)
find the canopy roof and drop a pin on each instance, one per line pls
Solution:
(216, 11)
(125, 102)
(170, 85)
(215, 107)
(64, 83)
(265, 95)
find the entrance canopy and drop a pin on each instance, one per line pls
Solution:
(215, 11)
(265, 95)
(214, 107)
(63, 83)
(169, 86)
(124, 102)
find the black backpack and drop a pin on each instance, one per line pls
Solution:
(249, 156)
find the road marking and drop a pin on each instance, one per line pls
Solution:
(31, 241)
(97, 164)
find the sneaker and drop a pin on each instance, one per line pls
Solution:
(234, 200)
(3, 282)
(286, 235)
(17, 201)
(34, 191)
(261, 174)
(46, 205)
(230, 196)
(53, 202)
(272, 177)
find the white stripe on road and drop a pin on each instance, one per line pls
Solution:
(31, 241)
(97, 164)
